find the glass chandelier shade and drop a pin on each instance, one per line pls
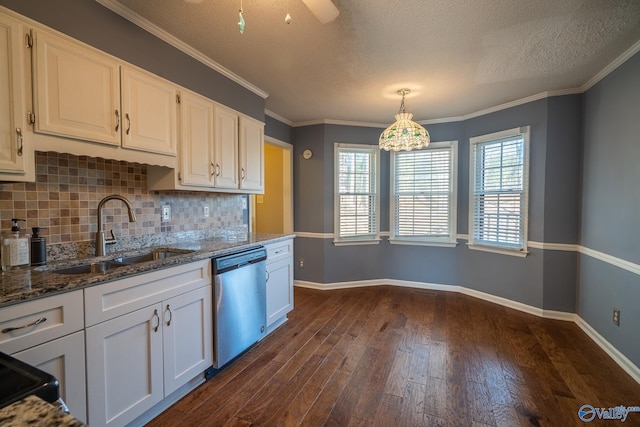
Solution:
(404, 134)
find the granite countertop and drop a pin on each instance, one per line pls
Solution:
(24, 284)
(33, 411)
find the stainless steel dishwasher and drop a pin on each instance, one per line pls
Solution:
(240, 308)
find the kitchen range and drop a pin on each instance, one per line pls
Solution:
(135, 331)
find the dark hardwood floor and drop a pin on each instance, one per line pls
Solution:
(391, 356)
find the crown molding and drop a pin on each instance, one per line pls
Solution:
(612, 67)
(150, 27)
(278, 117)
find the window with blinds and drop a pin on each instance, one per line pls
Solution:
(356, 192)
(499, 189)
(423, 189)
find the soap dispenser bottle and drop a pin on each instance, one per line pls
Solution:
(15, 247)
(38, 247)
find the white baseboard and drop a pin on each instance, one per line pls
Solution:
(624, 362)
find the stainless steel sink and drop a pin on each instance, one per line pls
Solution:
(104, 266)
(94, 267)
(154, 255)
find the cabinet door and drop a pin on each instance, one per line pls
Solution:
(188, 339)
(150, 113)
(226, 148)
(124, 366)
(279, 289)
(251, 155)
(64, 359)
(196, 140)
(12, 111)
(76, 91)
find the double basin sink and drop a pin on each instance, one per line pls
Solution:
(104, 266)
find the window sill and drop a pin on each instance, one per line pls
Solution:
(356, 242)
(423, 243)
(496, 250)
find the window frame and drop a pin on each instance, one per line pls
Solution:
(370, 238)
(522, 249)
(449, 241)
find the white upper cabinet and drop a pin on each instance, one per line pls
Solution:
(196, 140)
(87, 95)
(16, 154)
(149, 107)
(251, 155)
(225, 151)
(76, 91)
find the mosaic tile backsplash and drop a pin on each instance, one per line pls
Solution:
(65, 197)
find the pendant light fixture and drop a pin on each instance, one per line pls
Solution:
(404, 134)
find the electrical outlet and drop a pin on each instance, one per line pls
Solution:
(616, 316)
(244, 203)
(301, 262)
(166, 213)
(206, 211)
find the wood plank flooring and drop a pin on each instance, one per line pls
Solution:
(391, 356)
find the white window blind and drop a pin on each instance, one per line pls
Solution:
(499, 189)
(424, 193)
(356, 216)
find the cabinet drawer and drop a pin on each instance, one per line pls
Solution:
(279, 250)
(62, 314)
(107, 301)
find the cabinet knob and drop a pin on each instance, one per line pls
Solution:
(170, 315)
(19, 140)
(34, 323)
(157, 317)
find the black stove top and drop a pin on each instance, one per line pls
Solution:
(19, 380)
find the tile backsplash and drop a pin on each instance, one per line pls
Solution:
(65, 197)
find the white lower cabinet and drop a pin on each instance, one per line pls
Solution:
(279, 281)
(136, 359)
(64, 359)
(124, 367)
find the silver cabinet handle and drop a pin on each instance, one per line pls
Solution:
(117, 120)
(268, 275)
(128, 123)
(34, 323)
(157, 316)
(19, 140)
(217, 169)
(213, 169)
(170, 315)
(243, 174)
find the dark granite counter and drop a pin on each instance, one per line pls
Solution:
(24, 284)
(33, 411)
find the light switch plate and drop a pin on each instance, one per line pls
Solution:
(166, 213)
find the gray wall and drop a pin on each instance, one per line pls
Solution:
(544, 279)
(278, 130)
(611, 207)
(97, 26)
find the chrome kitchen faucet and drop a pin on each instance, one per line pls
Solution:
(101, 241)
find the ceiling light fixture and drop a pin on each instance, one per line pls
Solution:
(404, 134)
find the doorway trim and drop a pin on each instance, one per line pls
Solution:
(287, 186)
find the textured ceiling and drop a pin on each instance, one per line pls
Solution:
(457, 56)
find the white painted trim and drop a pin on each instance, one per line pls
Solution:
(635, 48)
(357, 242)
(622, 360)
(311, 235)
(567, 247)
(150, 27)
(278, 117)
(498, 250)
(382, 126)
(627, 365)
(442, 244)
(610, 259)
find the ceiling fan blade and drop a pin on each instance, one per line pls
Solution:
(324, 10)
